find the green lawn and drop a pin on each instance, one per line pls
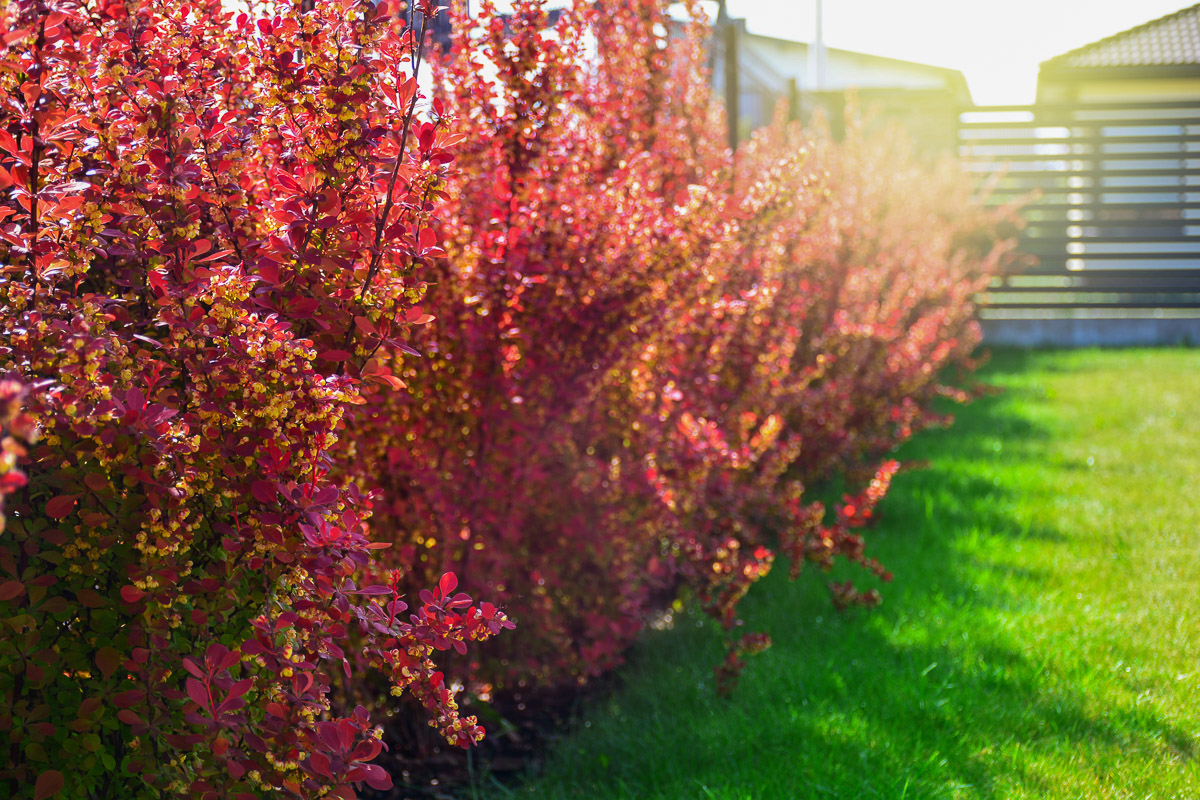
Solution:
(1041, 639)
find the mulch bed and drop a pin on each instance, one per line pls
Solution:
(520, 726)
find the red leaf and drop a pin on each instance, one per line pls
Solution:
(305, 307)
(365, 325)
(11, 590)
(425, 137)
(253, 647)
(263, 491)
(372, 591)
(388, 380)
(94, 519)
(319, 763)
(49, 783)
(108, 659)
(428, 238)
(230, 658)
(11, 482)
(240, 688)
(60, 506)
(220, 657)
(417, 316)
(131, 594)
(129, 717)
(366, 750)
(158, 283)
(346, 733)
(448, 583)
(183, 742)
(377, 777)
(199, 694)
(329, 735)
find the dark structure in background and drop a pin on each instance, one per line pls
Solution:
(441, 31)
(765, 70)
(1113, 147)
(725, 49)
(752, 73)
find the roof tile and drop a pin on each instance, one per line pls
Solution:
(1168, 41)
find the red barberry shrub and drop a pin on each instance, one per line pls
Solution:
(897, 251)
(640, 363)
(563, 256)
(17, 430)
(730, 669)
(848, 296)
(212, 232)
(645, 352)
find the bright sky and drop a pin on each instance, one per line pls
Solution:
(997, 44)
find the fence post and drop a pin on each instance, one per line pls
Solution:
(732, 98)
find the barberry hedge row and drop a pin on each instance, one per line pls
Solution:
(288, 357)
(644, 350)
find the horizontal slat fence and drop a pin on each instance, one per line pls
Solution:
(1112, 206)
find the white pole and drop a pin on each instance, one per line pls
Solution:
(818, 54)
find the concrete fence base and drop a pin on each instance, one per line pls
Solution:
(1113, 332)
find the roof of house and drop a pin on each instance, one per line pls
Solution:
(952, 79)
(1171, 41)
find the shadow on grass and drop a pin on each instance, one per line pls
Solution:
(925, 697)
